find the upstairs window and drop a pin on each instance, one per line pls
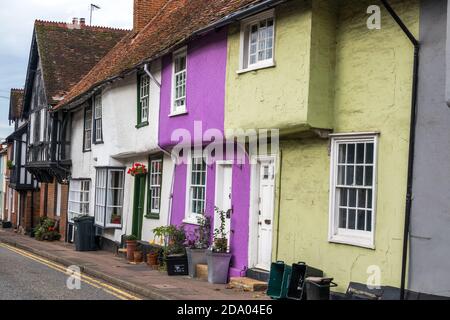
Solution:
(87, 138)
(143, 99)
(257, 41)
(353, 190)
(179, 82)
(98, 125)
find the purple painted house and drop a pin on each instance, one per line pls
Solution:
(192, 104)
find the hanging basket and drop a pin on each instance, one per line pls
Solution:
(138, 169)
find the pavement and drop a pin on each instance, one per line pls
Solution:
(139, 279)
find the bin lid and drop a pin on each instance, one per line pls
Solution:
(319, 280)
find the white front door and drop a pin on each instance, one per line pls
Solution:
(224, 173)
(265, 213)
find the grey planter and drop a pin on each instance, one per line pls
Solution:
(195, 257)
(218, 267)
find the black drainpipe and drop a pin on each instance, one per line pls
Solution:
(412, 138)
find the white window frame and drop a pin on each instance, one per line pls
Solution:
(144, 98)
(97, 105)
(365, 239)
(244, 53)
(177, 110)
(77, 189)
(152, 186)
(87, 132)
(105, 204)
(191, 217)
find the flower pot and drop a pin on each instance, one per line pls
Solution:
(138, 257)
(177, 265)
(131, 248)
(218, 267)
(152, 259)
(195, 257)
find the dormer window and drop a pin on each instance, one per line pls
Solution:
(257, 41)
(179, 82)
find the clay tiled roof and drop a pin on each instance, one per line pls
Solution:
(67, 53)
(15, 104)
(176, 22)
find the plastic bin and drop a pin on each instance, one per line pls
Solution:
(85, 234)
(279, 279)
(177, 265)
(297, 285)
(319, 288)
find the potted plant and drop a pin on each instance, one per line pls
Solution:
(198, 245)
(219, 257)
(131, 242)
(10, 165)
(137, 169)
(174, 251)
(46, 230)
(116, 219)
(153, 256)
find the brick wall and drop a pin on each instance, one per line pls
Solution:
(144, 11)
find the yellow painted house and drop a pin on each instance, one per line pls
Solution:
(333, 195)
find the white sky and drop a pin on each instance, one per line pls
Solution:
(16, 27)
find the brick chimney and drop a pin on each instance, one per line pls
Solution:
(82, 22)
(144, 11)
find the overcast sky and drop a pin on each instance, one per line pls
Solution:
(16, 29)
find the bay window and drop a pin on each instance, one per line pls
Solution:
(79, 191)
(109, 191)
(353, 189)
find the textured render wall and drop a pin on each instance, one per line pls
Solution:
(206, 65)
(372, 93)
(430, 221)
(274, 97)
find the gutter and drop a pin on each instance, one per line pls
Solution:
(412, 138)
(236, 16)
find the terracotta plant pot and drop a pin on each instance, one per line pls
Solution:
(138, 257)
(152, 259)
(131, 248)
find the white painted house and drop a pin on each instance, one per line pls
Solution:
(114, 129)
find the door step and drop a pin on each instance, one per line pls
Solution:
(248, 284)
(258, 274)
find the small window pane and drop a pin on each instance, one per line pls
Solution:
(361, 220)
(343, 218)
(351, 219)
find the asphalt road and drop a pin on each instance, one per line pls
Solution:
(24, 277)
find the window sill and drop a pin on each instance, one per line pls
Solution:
(363, 242)
(152, 216)
(142, 125)
(257, 67)
(191, 221)
(178, 113)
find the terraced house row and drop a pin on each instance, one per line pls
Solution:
(356, 176)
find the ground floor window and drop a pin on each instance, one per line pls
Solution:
(109, 190)
(196, 188)
(79, 191)
(155, 186)
(353, 184)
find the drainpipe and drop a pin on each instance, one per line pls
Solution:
(412, 138)
(169, 215)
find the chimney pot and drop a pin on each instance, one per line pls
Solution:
(75, 21)
(82, 22)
